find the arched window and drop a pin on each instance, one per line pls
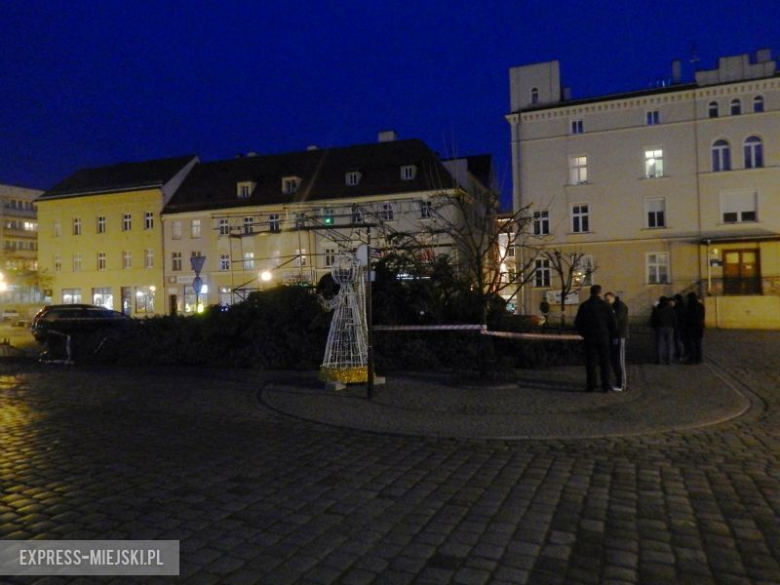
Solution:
(754, 152)
(758, 104)
(721, 156)
(736, 107)
(534, 95)
(712, 108)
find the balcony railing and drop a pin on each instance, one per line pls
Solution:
(750, 286)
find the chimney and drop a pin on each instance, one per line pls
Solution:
(676, 71)
(387, 136)
(312, 147)
(763, 55)
(566, 92)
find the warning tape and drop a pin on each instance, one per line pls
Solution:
(481, 329)
(548, 336)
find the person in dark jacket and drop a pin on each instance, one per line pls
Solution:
(694, 330)
(664, 322)
(679, 330)
(596, 323)
(617, 348)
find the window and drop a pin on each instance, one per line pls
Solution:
(352, 178)
(583, 274)
(144, 299)
(224, 262)
(426, 211)
(577, 126)
(290, 185)
(542, 273)
(57, 228)
(541, 220)
(655, 212)
(408, 172)
(244, 189)
(71, 296)
(249, 260)
(176, 230)
(223, 226)
(758, 104)
(580, 219)
(127, 222)
(534, 95)
(357, 214)
(249, 223)
(76, 262)
(195, 228)
(736, 107)
(578, 170)
(388, 213)
(721, 156)
(148, 220)
(101, 224)
(102, 297)
(57, 263)
(739, 207)
(327, 215)
(149, 258)
(127, 259)
(712, 109)
(300, 257)
(225, 296)
(101, 261)
(330, 257)
(754, 153)
(654, 163)
(77, 226)
(657, 267)
(300, 220)
(274, 223)
(653, 117)
(176, 261)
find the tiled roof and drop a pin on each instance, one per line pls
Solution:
(119, 177)
(322, 174)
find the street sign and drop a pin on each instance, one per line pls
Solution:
(197, 263)
(197, 285)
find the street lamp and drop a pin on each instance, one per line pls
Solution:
(266, 276)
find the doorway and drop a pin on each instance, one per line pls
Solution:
(741, 272)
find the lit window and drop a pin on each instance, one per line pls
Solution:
(577, 126)
(300, 257)
(657, 266)
(76, 262)
(290, 185)
(654, 163)
(534, 95)
(71, 296)
(583, 272)
(127, 259)
(712, 109)
(352, 178)
(274, 222)
(57, 263)
(101, 224)
(578, 170)
(57, 228)
(330, 257)
(176, 261)
(739, 207)
(541, 221)
(101, 261)
(103, 297)
(195, 230)
(408, 172)
(148, 220)
(249, 260)
(327, 215)
(426, 211)
(653, 118)
(758, 104)
(244, 189)
(300, 220)
(655, 210)
(580, 219)
(388, 212)
(249, 223)
(176, 230)
(77, 226)
(736, 107)
(754, 152)
(149, 258)
(223, 226)
(224, 262)
(127, 222)
(542, 273)
(721, 156)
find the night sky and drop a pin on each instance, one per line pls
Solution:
(94, 83)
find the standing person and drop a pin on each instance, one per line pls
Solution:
(694, 331)
(654, 320)
(595, 321)
(666, 321)
(617, 348)
(679, 330)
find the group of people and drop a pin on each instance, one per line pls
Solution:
(603, 325)
(679, 329)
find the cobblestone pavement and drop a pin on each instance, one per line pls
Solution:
(257, 497)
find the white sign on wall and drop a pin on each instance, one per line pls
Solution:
(554, 297)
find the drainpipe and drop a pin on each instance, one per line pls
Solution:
(709, 270)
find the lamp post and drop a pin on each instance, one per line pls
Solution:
(197, 284)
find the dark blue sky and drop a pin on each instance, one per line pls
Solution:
(93, 83)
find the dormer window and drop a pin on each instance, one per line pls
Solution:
(290, 185)
(244, 189)
(352, 178)
(408, 172)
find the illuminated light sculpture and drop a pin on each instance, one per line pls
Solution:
(346, 353)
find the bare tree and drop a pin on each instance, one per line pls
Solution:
(571, 271)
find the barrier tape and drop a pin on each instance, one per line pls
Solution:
(481, 329)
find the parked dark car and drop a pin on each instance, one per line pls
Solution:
(74, 319)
